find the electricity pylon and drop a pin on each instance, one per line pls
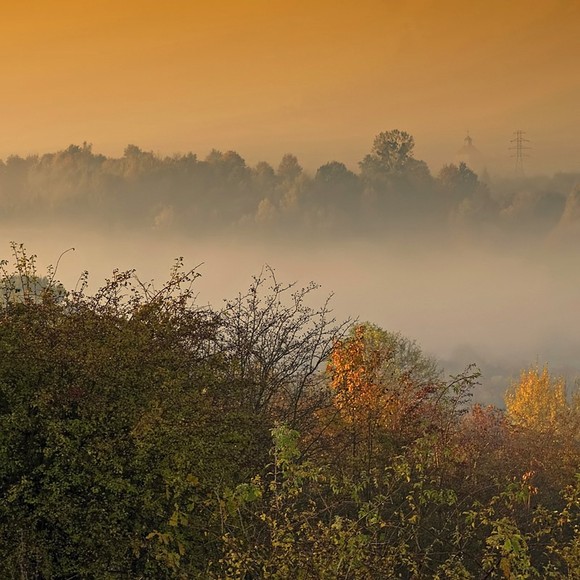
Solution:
(519, 147)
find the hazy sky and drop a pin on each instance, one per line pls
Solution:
(318, 78)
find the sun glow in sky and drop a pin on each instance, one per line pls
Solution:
(316, 78)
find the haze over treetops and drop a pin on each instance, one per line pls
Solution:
(315, 78)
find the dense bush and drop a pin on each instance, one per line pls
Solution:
(142, 436)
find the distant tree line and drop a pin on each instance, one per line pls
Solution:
(391, 190)
(144, 436)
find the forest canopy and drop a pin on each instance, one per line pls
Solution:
(390, 190)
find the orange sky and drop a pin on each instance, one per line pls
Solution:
(318, 78)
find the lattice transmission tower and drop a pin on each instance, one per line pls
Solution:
(519, 147)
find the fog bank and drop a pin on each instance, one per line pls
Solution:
(461, 301)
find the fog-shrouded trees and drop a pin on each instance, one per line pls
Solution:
(457, 182)
(398, 187)
(392, 156)
(337, 184)
(220, 192)
(289, 169)
(391, 153)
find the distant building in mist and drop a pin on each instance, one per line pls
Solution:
(471, 156)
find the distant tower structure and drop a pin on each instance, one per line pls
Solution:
(470, 155)
(519, 146)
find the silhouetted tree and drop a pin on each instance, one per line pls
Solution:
(289, 169)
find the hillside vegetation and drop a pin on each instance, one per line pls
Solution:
(145, 436)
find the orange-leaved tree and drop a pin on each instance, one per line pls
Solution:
(385, 389)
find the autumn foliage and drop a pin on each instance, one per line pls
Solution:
(143, 436)
(538, 401)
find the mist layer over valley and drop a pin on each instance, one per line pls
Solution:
(290, 289)
(476, 269)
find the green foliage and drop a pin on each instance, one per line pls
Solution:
(401, 522)
(109, 436)
(142, 436)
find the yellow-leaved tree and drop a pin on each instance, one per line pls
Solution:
(545, 438)
(538, 401)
